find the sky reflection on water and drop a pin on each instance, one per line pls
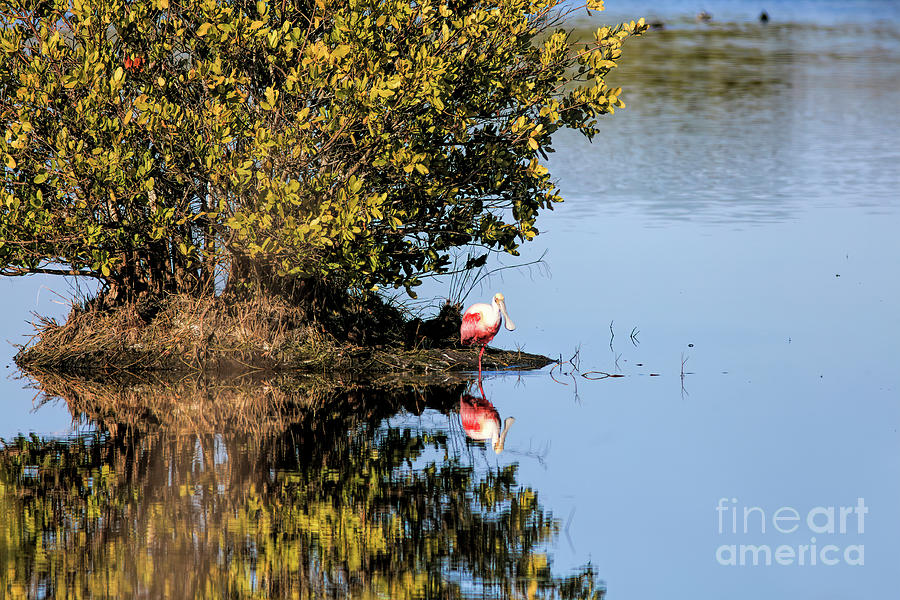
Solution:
(743, 219)
(740, 217)
(750, 129)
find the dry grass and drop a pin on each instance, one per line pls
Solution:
(249, 404)
(186, 334)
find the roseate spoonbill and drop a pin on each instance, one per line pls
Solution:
(481, 421)
(481, 322)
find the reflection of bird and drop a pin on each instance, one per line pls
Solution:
(481, 421)
(481, 322)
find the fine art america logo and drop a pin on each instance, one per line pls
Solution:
(824, 530)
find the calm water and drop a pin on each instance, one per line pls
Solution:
(729, 246)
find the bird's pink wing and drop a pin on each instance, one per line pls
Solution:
(468, 416)
(468, 332)
(474, 413)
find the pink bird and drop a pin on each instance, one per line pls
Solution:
(481, 421)
(481, 322)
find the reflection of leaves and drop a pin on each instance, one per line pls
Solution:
(306, 510)
(694, 66)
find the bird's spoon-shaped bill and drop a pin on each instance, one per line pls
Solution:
(507, 322)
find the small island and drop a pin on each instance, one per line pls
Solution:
(212, 335)
(243, 181)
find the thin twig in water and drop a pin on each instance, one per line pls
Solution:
(540, 455)
(558, 364)
(596, 375)
(566, 530)
(575, 361)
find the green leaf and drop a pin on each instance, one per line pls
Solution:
(395, 124)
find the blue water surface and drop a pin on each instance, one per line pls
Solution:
(729, 246)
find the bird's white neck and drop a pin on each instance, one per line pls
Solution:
(500, 309)
(497, 441)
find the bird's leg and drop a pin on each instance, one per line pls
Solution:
(481, 389)
(479, 364)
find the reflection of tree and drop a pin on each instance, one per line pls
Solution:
(692, 67)
(332, 503)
